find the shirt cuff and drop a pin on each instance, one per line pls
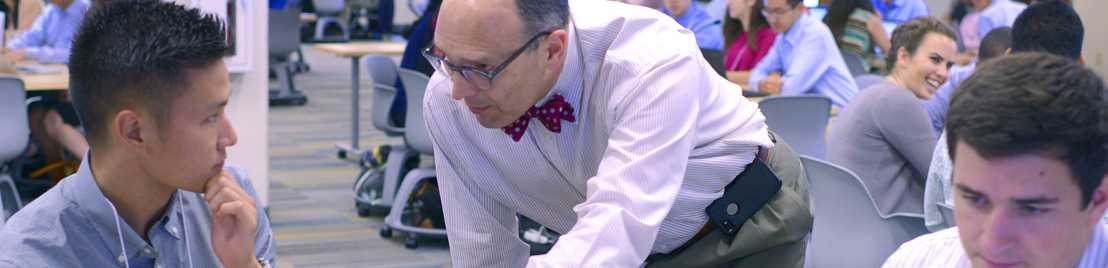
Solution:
(34, 53)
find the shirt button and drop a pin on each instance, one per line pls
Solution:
(121, 258)
(158, 266)
(663, 247)
(548, 137)
(173, 230)
(146, 250)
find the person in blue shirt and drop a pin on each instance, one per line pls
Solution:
(153, 189)
(901, 10)
(804, 59)
(993, 45)
(996, 13)
(49, 37)
(695, 17)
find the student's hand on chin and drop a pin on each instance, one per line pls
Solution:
(234, 221)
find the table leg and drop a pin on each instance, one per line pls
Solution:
(353, 148)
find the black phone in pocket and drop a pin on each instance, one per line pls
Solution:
(745, 195)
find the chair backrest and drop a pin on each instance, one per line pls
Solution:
(328, 7)
(947, 212)
(416, 134)
(383, 71)
(854, 62)
(800, 120)
(866, 80)
(848, 231)
(13, 118)
(715, 58)
(284, 31)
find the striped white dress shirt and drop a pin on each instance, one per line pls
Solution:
(657, 136)
(943, 249)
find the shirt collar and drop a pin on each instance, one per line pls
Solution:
(76, 9)
(794, 35)
(85, 195)
(570, 81)
(1094, 251)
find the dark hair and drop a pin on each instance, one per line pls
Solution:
(793, 3)
(134, 54)
(1035, 103)
(732, 27)
(910, 34)
(838, 15)
(1049, 26)
(995, 43)
(543, 15)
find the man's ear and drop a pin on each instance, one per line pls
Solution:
(1081, 59)
(1098, 203)
(127, 129)
(1008, 52)
(556, 48)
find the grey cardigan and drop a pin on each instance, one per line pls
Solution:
(885, 137)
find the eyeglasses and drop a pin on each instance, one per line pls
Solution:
(777, 13)
(475, 77)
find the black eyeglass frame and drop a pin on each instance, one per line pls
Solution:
(448, 68)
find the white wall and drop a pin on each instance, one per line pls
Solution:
(248, 108)
(940, 8)
(1096, 33)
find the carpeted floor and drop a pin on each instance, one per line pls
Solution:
(310, 198)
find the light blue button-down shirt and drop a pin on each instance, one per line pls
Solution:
(49, 39)
(73, 225)
(706, 27)
(1002, 13)
(809, 61)
(937, 105)
(901, 10)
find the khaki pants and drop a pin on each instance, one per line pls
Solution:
(775, 236)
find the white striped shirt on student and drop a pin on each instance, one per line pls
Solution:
(657, 136)
(943, 249)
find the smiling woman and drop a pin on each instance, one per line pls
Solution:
(884, 135)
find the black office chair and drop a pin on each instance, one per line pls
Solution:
(284, 39)
(715, 58)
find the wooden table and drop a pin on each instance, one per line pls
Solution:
(355, 51)
(48, 81)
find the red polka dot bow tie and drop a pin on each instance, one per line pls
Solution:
(550, 114)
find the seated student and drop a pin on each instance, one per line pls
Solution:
(1029, 139)
(995, 44)
(995, 14)
(798, 61)
(153, 190)
(856, 27)
(52, 120)
(747, 37)
(1050, 26)
(694, 17)
(49, 38)
(901, 10)
(884, 135)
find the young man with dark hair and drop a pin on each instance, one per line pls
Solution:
(149, 82)
(1054, 22)
(1029, 138)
